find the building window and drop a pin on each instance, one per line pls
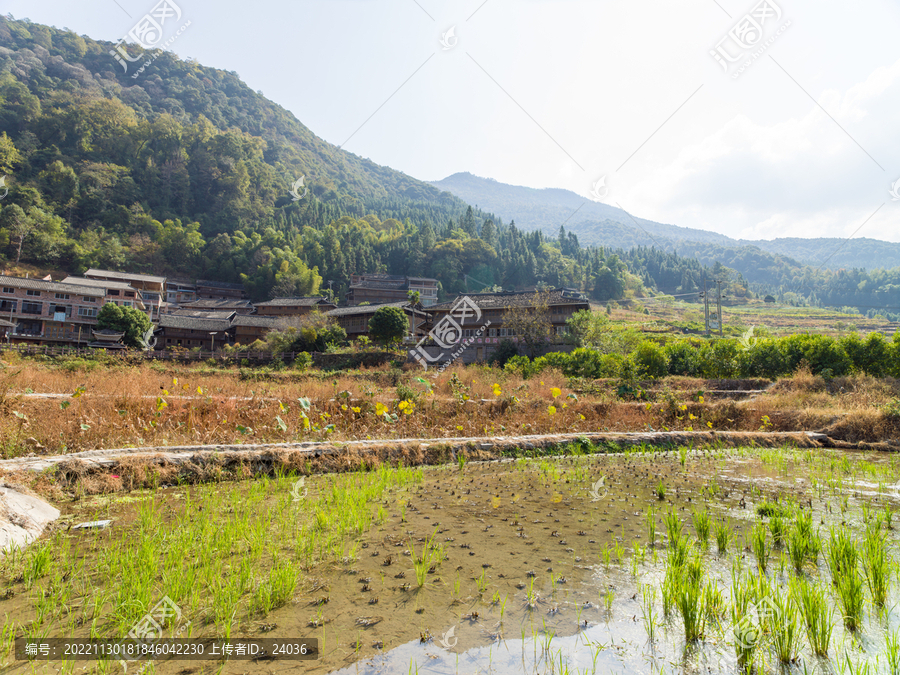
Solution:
(112, 292)
(492, 332)
(89, 312)
(32, 293)
(32, 308)
(89, 299)
(8, 305)
(8, 290)
(128, 304)
(129, 294)
(62, 296)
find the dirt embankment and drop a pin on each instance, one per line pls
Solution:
(102, 471)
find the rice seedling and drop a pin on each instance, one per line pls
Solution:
(701, 526)
(650, 520)
(816, 613)
(849, 589)
(723, 533)
(876, 566)
(683, 454)
(892, 651)
(798, 549)
(674, 526)
(785, 627)
(648, 601)
(759, 545)
(660, 490)
(777, 528)
(713, 601)
(689, 600)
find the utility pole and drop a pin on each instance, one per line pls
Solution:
(719, 304)
(705, 307)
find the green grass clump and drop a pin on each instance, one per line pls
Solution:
(701, 526)
(674, 526)
(816, 613)
(723, 534)
(876, 566)
(759, 545)
(767, 509)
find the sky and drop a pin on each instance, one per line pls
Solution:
(798, 134)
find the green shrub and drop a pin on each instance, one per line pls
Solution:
(506, 350)
(649, 360)
(519, 365)
(302, 361)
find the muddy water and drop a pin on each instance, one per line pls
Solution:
(543, 564)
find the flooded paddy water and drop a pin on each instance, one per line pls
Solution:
(695, 561)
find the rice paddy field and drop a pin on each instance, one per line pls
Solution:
(709, 560)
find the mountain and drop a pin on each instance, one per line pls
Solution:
(546, 209)
(598, 223)
(863, 252)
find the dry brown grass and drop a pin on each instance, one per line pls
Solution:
(139, 406)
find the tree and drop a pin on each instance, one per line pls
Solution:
(18, 225)
(133, 322)
(531, 322)
(388, 324)
(414, 297)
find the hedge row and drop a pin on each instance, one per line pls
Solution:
(728, 358)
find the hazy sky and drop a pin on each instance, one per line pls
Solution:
(558, 93)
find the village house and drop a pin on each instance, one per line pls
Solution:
(116, 292)
(489, 330)
(180, 291)
(152, 288)
(249, 329)
(188, 332)
(49, 312)
(384, 288)
(294, 306)
(220, 290)
(219, 305)
(355, 320)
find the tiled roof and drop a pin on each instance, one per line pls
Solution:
(515, 299)
(107, 274)
(100, 283)
(293, 302)
(208, 304)
(364, 309)
(50, 286)
(255, 320)
(201, 314)
(193, 323)
(371, 309)
(219, 284)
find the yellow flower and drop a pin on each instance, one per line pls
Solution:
(542, 384)
(709, 424)
(355, 409)
(692, 416)
(409, 409)
(175, 381)
(683, 407)
(402, 405)
(582, 417)
(459, 428)
(380, 409)
(700, 398)
(551, 410)
(555, 392)
(344, 407)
